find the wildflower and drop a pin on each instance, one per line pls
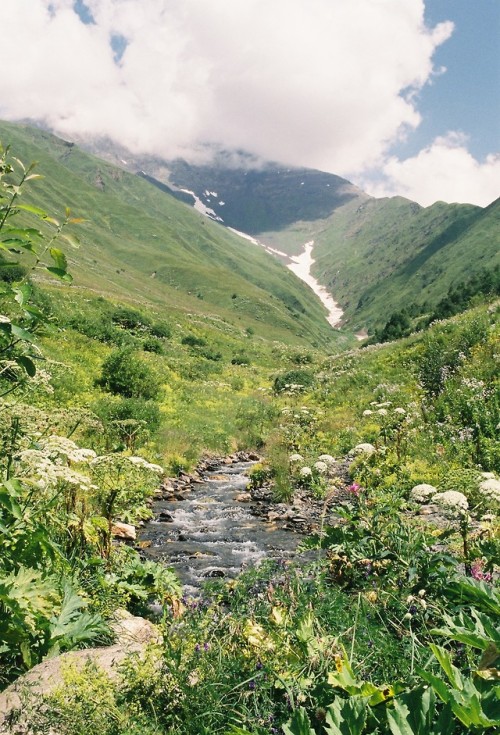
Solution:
(422, 493)
(354, 489)
(490, 490)
(367, 412)
(305, 472)
(401, 411)
(327, 458)
(295, 458)
(321, 467)
(477, 571)
(363, 449)
(452, 500)
(382, 411)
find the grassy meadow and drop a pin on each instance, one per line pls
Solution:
(388, 620)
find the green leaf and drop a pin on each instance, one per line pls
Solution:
(33, 210)
(22, 333)
(398, 720)
(449, 669)
(23, 232)
(299, 724)
(27, 364)
(59, 258)
(22, 293)
(60, 273)
(71, 239)
(346, 717)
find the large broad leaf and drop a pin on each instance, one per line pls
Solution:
(73, 625)
(346, 716)
(299, 724)
(21, 333)
(22, 294)
(483, 597)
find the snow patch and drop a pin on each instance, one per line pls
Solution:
(202, 208)
(301, 265)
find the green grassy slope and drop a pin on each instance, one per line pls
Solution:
(379, 255)
(142, 245)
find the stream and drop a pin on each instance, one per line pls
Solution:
(206, 532)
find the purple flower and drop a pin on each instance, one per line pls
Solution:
(251, 684)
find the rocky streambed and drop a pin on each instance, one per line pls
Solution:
(209, 523)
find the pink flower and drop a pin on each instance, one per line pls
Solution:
(476, 572)
(354, 489)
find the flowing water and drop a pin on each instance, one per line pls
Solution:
(211, 534)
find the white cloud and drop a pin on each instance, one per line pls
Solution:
(329, 84)
(445, 168)
(324, 83)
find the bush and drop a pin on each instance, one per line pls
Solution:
(125, 373)
(129, 318)
(161, 329)
(153, 344)
(11, 272)
(193, 341)
(301, 378)
(128, 420)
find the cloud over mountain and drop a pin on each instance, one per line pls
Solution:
(324, 83)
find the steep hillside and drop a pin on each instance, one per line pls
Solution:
(390, 253)
(375, 256)
(141, 244)
(250, 196)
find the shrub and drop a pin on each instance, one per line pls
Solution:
(193, 341)
(301, 378)
(153, 344)
(129, 318)
(125, 373)
(161, 329)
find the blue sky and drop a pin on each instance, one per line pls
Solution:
(467, 96)
(398, 96)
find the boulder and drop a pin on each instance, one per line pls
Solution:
(123, 530)
(133, 635)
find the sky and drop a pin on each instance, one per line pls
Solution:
(398, 96)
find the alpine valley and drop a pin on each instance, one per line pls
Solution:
(249, 468)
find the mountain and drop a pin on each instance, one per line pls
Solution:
(141, 244)
(375, 256)
(390, 253)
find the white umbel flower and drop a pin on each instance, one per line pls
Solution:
(305, 472)
(327, 459)
(296, 458)
(321, 467)
(422, 493)
(490, 490)
(451, 500)
(363, 449)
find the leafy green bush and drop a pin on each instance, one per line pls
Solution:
(193, 341)
(160, 329)
(125, 373)
(299, 378)
(129, 318)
